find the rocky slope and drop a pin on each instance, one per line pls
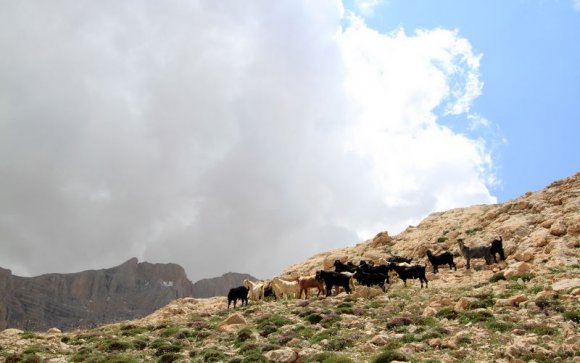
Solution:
(523, 309)
(219, 286)
(89, 298)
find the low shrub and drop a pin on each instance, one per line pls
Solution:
(389, 356)
(447, 313)
(526, 277)
(313, 318)
(572, 315)
(497, 277)
(328, 357)
(399, 321)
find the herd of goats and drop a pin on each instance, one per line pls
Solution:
(365, 273)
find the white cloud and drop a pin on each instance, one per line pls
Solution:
(367, 7)
(224, 138)
(576, 5)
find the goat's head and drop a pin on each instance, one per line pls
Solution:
(318, 275)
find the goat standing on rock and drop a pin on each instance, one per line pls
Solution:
(497, 248)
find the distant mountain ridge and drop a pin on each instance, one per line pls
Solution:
(89, 298)
(219, 286)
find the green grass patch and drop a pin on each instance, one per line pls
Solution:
(389, 356)
(132, 330)
(573, 315)
(535, 289)
(326, 334)
(498, 325)
(447, 313)
(119, 359)
(328, 357)
(497, 277)
(474, 316)
(244, 334)
(526, 277)
(169, 331)
(169, 357)
(329, 320)
(28, 335)
(399, 321)
(115, 345)
(483, 301)
(209, 355)
(473, 231)
(304, 331)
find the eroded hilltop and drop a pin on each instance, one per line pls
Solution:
(523, 309)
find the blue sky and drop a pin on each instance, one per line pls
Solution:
(531, 74)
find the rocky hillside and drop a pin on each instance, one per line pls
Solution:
(523, 309)
(219, 286)
(89, 298)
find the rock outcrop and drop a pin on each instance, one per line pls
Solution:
(219, 286)
(89, 298)
(541, 229)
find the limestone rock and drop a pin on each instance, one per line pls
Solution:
(558, 228)
(379, 340)
(518, 268)
(381, 239)
(525, 256)
(513, 301)
(53, 331)
(284, 355)
(367, 292)
(566, 284)
(234, 319)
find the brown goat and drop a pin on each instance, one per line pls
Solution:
(309, 282)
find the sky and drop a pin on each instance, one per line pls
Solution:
(246, 137)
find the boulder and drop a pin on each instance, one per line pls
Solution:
(518, 268)
(284, 355)
(463, 303)
(566, 284)
(558, 229)
(232, 323)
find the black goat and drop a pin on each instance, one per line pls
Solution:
(410, 272)
(370, 269)
(497, 248)
(369, 279)
(446, 258)
(240, 292)
(333, 278)
(342, 267)
(399, 259)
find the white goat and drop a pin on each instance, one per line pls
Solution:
(256, 290)
(285, 288)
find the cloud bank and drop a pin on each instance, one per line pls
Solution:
(223, 137)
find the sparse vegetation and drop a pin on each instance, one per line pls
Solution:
(497, 277)
(524, 317)
(572, 316)
(473, 231)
